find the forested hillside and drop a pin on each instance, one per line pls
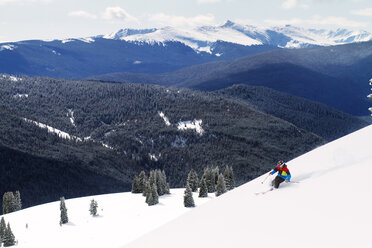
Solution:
(116, 130)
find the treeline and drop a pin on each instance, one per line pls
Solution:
(212, 181)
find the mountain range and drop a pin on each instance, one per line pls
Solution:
(158, 50)
(333, 75)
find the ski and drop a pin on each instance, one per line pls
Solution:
(264, 192)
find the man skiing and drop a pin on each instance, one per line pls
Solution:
(283, 174)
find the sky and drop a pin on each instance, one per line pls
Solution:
(60, 19)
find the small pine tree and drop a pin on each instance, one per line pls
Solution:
(229, 178)
(2, 230)
(221, 186)
(64, 217)
(210, 179)
(193, 181)
(136, 187)
(8, 239)
(8, 199)
(93, 207)
(203, 192)
(17, 203)
(142, 178)
(147, 191)
(188, 200)
(153, 198)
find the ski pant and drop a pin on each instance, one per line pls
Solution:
(278, 180)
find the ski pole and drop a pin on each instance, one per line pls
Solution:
(265, 178)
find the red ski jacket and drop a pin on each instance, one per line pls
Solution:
(283, 172)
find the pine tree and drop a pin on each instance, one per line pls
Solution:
(136, 187)
(210, 179)
(165, 184)
(8, 202)
(2, 229)
(188, 200)
(64, 217)
(229, 178)
(17, 201)
(193, 181)
(153, 198)
(9, 239)
(93, 207)
(142, 178)
(147, 191)
(221, 186)
(203, 192)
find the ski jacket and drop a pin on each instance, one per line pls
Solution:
(283, 172)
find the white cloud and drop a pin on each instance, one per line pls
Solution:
(316, 21)
(208, 1)
(362, 12)
(289, 4)
(117, 13)
(172, 20)
(3, 2)
(83, 14)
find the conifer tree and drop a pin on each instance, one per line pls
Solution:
(147, 191)
(165, 184)
(2, 228)
(136, 187)
(8, 201)
(203, 192)
(192, 180)
(210, 179)
(17, 204)
(153, 198)
(142, 178)
(188, 200)
(221, 186)
(62, 207)
(8, 239)
(229, 178)
(93, 207)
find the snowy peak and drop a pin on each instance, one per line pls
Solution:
(200, 38)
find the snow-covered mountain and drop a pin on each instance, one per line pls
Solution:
(203, 38)
(327, 205)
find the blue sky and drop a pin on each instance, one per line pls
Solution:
(50, 19)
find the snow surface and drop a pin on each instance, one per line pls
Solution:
(123, 217)
(328, 205)
(50, 129)
(191, 125)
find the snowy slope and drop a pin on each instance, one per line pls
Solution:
(122, 218)
(202, 38)
(330, 207)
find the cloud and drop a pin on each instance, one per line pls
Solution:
(172, 20)
(289, 4)
(3, 2)
(362, 12)
(24, 2)
(208, 1)
(316, 21)
(83, 14)
(117, 13)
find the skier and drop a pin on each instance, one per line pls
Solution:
(283, 174)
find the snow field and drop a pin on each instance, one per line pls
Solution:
(329, 207)
(123, 217)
